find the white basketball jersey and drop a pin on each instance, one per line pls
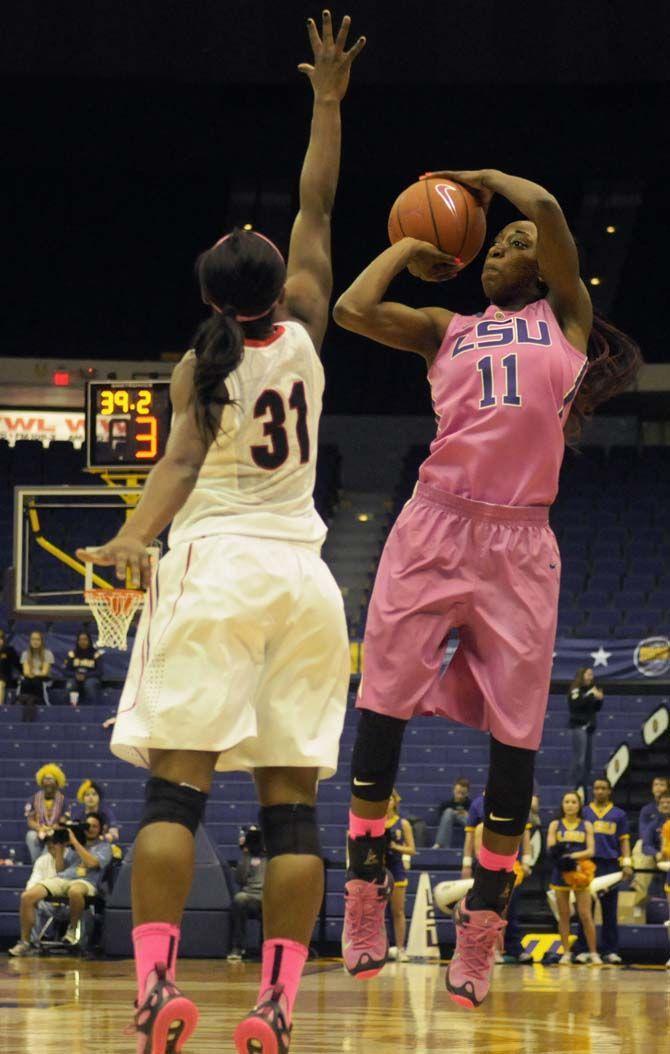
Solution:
(258, 475)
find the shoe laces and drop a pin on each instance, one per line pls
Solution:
(476, 946)
(364, 918)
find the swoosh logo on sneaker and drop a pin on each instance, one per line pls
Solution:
(501, 819)
(362, 783)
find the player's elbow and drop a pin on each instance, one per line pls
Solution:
(347, 315)
(546, 204)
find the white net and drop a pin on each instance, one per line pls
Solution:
(114, 610)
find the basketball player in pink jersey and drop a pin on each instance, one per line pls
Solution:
(473, 550)
(241, 659)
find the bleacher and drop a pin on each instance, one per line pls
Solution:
(612, 526)
(616, 581)
(434, 754)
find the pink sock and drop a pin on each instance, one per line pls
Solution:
(155, 942)
(359, 828)
(283, 962)
(495, 861)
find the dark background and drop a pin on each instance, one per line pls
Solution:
(135, 134)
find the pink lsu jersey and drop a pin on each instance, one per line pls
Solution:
(502, 385)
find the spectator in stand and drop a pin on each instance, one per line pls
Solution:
(45, 809)
(454, 811)
(662, 846)
(79, 872)
(644, 850)
(612, 853)
(36, 663)
(10, 666)
(90, 800)
(474, 818)
(84, 669)
(250, 877)
(571, 845)
(585, 699)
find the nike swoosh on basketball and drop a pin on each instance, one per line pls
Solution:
(362, 783)
(501, 819)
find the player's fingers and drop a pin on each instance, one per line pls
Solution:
(98, 555)
(341, 38)
(145, 570)
(355, 50)
(314, 38)
(327, 29)
(305, 68)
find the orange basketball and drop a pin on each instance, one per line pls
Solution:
(440, 212)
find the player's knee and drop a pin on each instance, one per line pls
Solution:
(290, 829)
(167, 802)
(376, 755)
(509, 789)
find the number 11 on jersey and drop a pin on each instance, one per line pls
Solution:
(511, 396)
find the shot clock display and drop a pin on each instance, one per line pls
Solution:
(127, 424)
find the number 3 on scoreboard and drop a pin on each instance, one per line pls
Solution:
(150, 437)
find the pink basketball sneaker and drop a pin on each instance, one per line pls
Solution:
(364, 939)
(469, 972)
(265, 1029)
(166, 1018)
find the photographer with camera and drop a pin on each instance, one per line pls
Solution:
(81, 856)
(250, 876)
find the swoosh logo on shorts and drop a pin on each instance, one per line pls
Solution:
(501, 819)
(362, 783)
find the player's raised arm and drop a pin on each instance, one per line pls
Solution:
(167, 487)
(362, 307)
(309, 280)
(557, 256)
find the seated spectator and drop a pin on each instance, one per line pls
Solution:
(84, 669)
(454, 811)
(36, 663)
(45, 809)
(644, 850)
(90, 800)
(10, 666)
(79, 871)
(250, 877)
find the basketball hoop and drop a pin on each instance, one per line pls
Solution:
(114, 610)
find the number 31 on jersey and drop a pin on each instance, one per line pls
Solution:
(274, 453)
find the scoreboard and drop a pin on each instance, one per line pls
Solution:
(127, 424)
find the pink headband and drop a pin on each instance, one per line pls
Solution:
(251, 318)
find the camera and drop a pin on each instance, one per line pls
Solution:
(251, 838)
(61, 833)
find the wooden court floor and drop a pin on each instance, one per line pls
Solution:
(56, 1006)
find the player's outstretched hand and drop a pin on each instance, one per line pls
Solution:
(430, 264)
(474, 180)
(332, 64)
(126, 555)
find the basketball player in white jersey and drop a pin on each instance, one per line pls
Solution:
(241, 658)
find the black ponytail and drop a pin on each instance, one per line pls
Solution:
(219, 349)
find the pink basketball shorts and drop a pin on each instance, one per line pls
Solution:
(490, 571)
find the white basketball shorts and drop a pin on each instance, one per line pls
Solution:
(242, 648)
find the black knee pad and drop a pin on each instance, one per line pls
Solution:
(167, 802)
(290, 829)
(376, 756)
(509, 788)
